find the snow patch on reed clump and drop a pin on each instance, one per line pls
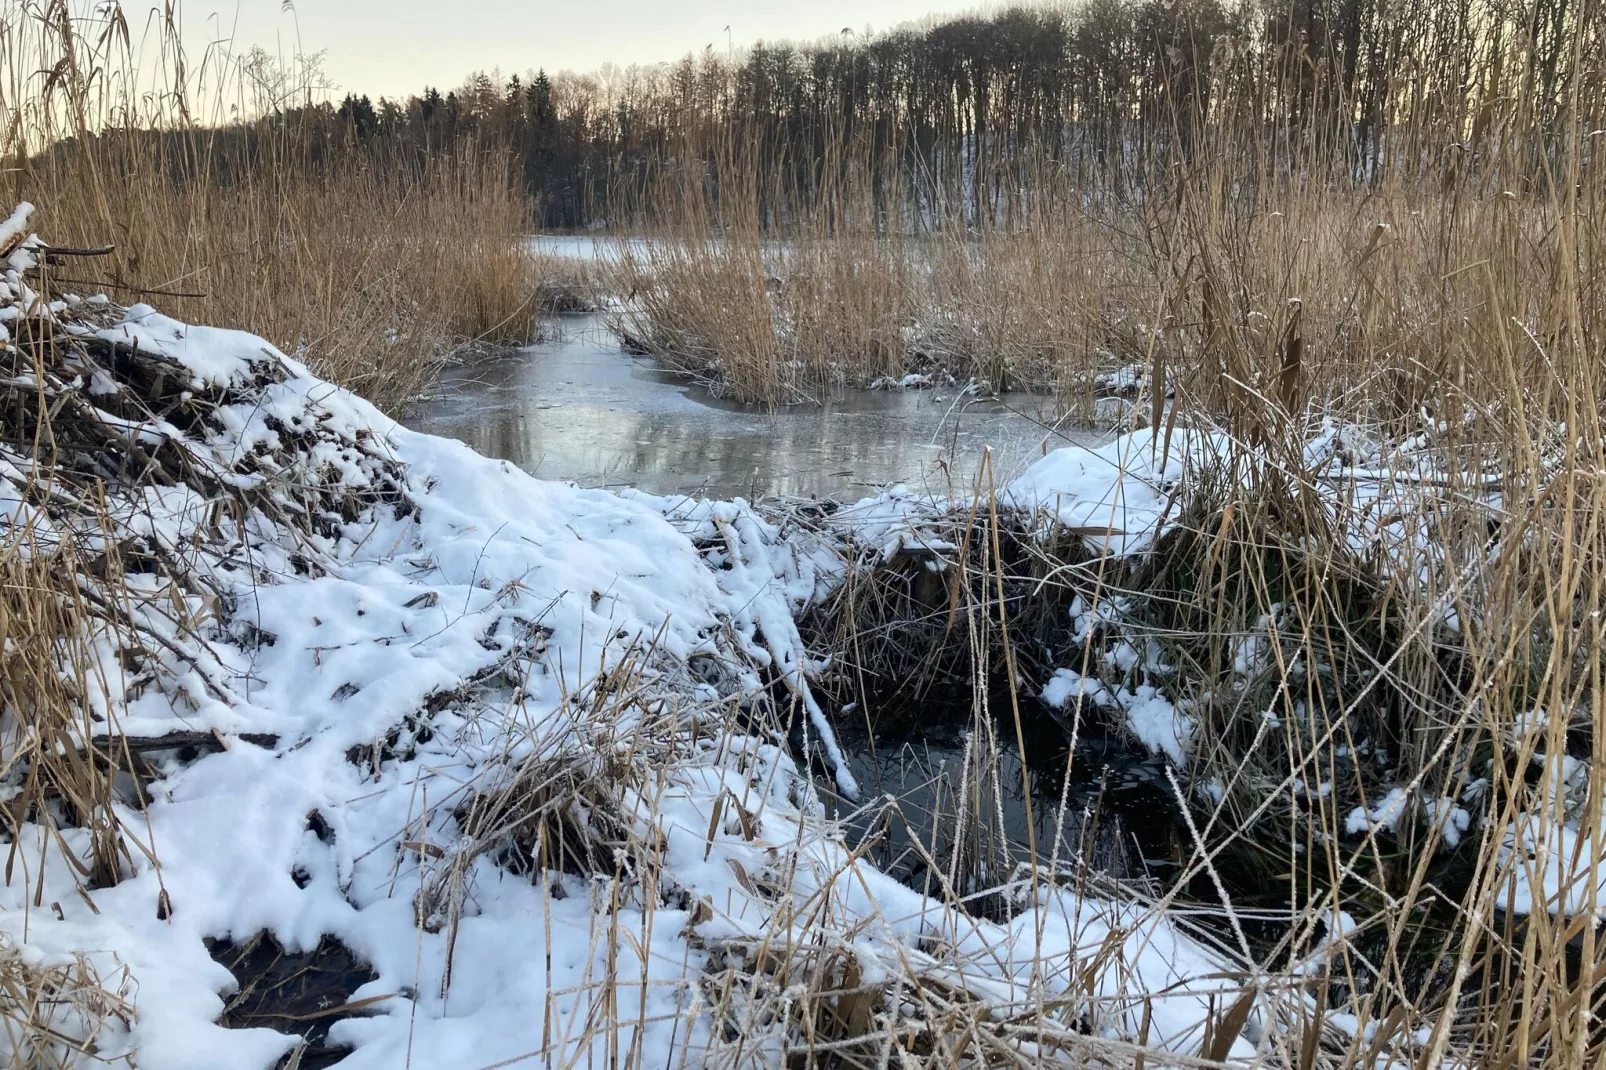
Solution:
(1117, 496)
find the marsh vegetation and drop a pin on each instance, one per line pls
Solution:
(1261, 728)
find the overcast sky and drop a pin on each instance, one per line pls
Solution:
(396, 47)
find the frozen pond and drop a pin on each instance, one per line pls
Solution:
(578, 408)
(585, 247)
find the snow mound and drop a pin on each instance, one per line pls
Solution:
(1118, 496)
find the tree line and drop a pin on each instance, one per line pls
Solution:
(1113, 94)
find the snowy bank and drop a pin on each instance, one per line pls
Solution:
(514, 744)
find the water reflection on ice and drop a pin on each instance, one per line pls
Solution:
(579, 409)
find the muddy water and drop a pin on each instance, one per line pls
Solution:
(933, 794)
(578, 408)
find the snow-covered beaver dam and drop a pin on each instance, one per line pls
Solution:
(329, 741)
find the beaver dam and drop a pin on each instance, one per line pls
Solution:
(328, 742)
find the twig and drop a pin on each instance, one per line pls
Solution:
(129, 289)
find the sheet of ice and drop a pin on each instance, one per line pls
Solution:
(600, 247)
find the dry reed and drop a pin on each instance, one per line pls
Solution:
(1416, 358)
(235, 198)
(1457, 321)
(54, 1015)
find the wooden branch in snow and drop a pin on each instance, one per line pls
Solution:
(67, 250)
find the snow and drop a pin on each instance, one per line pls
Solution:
(1117, 496)
(216, 356)
(1449, 820)
(1068, 684)
(1384, 817)
(406, 607)
(764, 580)
(1381, 496)
(15, 226)
(1559, 861)
(490, 607)
(895, 521)
(910, 381)
(1125, 379)
(1153, 719)
(1559, 867)
(1155, 965)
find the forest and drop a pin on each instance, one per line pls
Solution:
(1112, 91)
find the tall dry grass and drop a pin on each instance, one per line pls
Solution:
(68, 792)
(232, 197)
(370, 278)
(1326, 660)
(1231, 233)
(1404, 527)
(53, 1016)
(1378, 284)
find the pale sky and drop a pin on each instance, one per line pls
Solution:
(396, 47)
